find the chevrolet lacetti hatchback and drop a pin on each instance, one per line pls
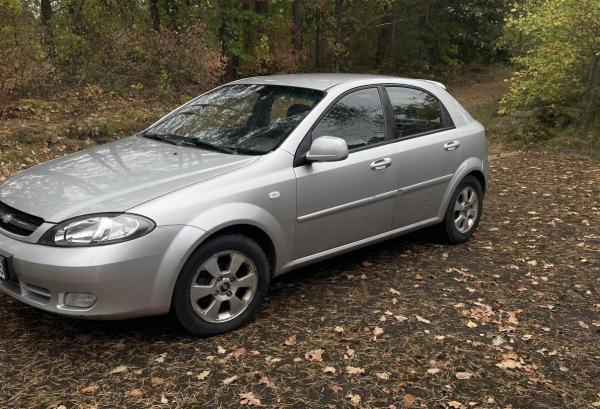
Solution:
(198, 212)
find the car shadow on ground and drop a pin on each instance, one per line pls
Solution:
(41, 324)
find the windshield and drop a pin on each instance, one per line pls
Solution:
(241, 118)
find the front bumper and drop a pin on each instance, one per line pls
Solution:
(129, 279)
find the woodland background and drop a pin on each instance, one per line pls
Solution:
(61, 56)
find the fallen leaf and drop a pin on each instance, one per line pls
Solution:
(221, 350)
(509, 364)
(161, 358)
(583, 325)
(383, 375)
(377, 331)
(456, 405)
(119, 369)
(471, 324)
(464, 375)
(315, 355)
(202, 375)
(90, 389)
(249, 399)
(267, 382)
(409, 399)
(354, 399)
(157, 381)
(339, 329)
(433, 371)
(136, 393)
(421, 319)
(352, 370)
(290, 341)
(395, 292)
(230, 380)
(329, 369)
(239, 353)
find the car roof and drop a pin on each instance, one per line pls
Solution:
(323, 81)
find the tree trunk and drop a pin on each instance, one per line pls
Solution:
(48, 35)
(318, 40)
(590, 109)
(75, 11)
(260, 7)
(297, 26)
(155, 14)
(231, 60)
(172, 14)
(339, 11)
(383, 37)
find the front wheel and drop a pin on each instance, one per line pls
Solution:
(221, 286)
(464, 211)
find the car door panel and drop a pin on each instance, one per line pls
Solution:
(353, 199)
(425, 169)
(427, 153)
(343, 202)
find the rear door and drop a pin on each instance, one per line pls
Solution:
(428, 153)
(353, 199)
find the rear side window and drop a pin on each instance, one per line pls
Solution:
(415, 111)
(357, 118)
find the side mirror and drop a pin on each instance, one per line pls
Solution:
(327, 149)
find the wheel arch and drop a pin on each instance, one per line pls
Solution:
(253, 232)
(471, 167)
(478, 174)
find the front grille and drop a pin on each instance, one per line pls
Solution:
(18, 222)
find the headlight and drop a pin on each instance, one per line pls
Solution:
(97, 230)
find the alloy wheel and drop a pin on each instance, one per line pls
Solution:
(466, 209)
(223, 286)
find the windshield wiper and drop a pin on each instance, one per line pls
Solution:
(177, 139)
(208, 145)
(247, 151)
(163, 137)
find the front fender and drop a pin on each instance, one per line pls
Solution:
(226, 215)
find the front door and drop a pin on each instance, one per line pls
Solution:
(353, 199)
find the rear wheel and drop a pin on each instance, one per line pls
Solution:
(464, 211)
(221, 286)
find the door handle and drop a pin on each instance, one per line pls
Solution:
(382, 163)
(451, 146)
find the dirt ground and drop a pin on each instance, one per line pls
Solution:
(510, 319)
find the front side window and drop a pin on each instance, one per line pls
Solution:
(357, 118)
(415, 111)
(240, 118)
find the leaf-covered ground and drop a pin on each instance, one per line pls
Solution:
(510, 319)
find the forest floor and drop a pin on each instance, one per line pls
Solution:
(510, 319)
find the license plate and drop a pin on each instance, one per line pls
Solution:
(3, 269)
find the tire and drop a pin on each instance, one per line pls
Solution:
(220, 300)
(460, 231)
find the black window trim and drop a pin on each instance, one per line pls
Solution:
(391, 132)
(304, 145)
(448, 122)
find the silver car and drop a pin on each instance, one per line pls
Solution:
(198, 212)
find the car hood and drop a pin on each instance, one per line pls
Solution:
(113, 177)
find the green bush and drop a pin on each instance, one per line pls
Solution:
(557, 48)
